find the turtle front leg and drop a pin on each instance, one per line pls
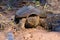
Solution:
(22, 23)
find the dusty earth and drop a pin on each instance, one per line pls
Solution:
(32, 34)
(38, 33)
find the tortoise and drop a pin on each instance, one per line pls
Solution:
(29, 17)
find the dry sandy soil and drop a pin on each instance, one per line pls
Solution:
(32, 34)
(29, 34)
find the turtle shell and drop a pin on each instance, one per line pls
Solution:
(26, 11)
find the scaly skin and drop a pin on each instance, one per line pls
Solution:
(22, 23)
(33, 21)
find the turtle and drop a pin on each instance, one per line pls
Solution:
(28, 17)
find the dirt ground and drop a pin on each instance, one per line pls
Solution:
(32, 34)
(35, 34)
(39, 33)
